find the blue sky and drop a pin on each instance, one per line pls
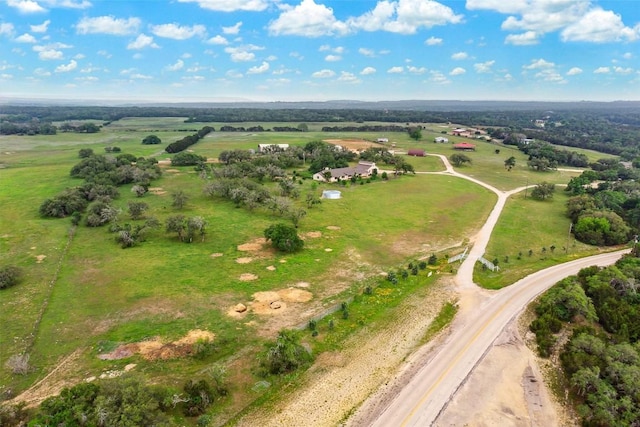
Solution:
(317, 50)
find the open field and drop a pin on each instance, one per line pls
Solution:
(84, 295)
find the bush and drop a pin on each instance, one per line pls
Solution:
(200, 397)
(9, 276)
(284, 237)
(285, 355)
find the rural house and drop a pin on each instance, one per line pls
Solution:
(415, 152)
(270, 148)
(464, 146)
(363, 169)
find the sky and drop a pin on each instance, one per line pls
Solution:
(320, 50)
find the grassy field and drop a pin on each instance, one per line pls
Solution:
(530, 235)
(92, 295)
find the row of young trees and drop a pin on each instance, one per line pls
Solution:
(188, 141)
(600, 310)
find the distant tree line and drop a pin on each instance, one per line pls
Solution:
(188, 141)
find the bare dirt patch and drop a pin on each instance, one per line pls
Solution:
(353, 144)
(216, 255)
(313, 234)
(244, 260)
(40, 258)
(253, 246)
(173, 170)
(277, 302)
(158, 191)
(333, 227)
(248, 277)
(271, 268)
(156, 349)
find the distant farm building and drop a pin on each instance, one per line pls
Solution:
(464, 146)
(270, 148)
(461, 132)
(441, 139)
(382, 140)
(526, 141)
(363, 170)
(416, 152)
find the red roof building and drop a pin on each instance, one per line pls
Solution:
(465, 146)
(415, 152)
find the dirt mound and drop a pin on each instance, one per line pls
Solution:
(155, 349)
(248, 277)
(253, 246)
(216, 255)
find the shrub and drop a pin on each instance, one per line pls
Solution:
(200, 397)
(9, 276)
(284, 237)
(285, 355)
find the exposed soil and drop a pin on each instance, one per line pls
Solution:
(40, 258)
(248, 277)
(353, 144)
(156, 349)
(244, 260)
(158, 191)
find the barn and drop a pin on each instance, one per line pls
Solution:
(416, 152)
(464, 146)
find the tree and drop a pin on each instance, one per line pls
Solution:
(176, 224)
(10, 275)
(284, 237)
(286, 354)
(459, 159)
(180, 198)
(510, 163)
(543, 191)
(85, 153)
(151, 140)
(137, 209)
(415, 133)
(542, 164)
(138, 190)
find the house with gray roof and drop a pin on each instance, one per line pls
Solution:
(363, 170)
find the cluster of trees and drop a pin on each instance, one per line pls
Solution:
(365, 128)
(102, 176)
(151, 140)
(34, 127)
(601, 360)
(321, 155)
(188, 141)
(605, 203)
(187, 159)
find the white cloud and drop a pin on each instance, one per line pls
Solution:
(41, 72)
(404, 16)
(621, 70)
(242, 53)
(259, 69)
(307, 19)
(600, 26)
(332, 58)
(234, 29)
(178, 32)
(457, 71)
(367, 52)
(366, 71)
(6, 29)
(525, 39)
(42, 28)
(141, 42)
(48, 54)
(433, 41)
(179, 65)
(395, 70)
(483, 67)
(108, 25)
(231, 5)
(416, 70)
(574, 71)
(459, 56)
(323, 74)
(539, 64)
(26, 6)
(347, 77)
(627, 55)
(72, 65)
(25, 38)
(577, 20)
(439, 78)
(219, 40)
(139, 76)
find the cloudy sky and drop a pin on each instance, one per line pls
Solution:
(316, 50)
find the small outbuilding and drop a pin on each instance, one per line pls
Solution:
(441, 139)
(416, 152)
(464, 146)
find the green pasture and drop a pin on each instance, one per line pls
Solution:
(105, 295)
(528, 224)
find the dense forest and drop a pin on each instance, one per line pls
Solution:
(599, 310)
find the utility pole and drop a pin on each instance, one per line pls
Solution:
(526, 188)
(568, 238)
